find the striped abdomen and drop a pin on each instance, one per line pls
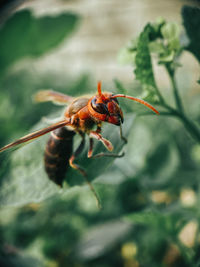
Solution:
(57, 153)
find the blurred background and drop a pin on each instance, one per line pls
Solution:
(150, 197)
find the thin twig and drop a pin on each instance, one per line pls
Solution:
(177, 98)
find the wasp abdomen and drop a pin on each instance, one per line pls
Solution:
(57, 153)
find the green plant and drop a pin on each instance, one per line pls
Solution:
(149, 197)
(163, 41)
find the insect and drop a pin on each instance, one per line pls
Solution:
(80, 117)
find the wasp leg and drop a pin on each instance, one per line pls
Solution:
(75, 154)
(112, 155)
(82, 171)
(121, 135)
(90, 151)
(99, 137)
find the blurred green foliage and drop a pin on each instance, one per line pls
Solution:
(191, 20)
(149, 197)
(24, 35)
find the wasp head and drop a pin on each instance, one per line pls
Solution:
(103, 108)
(107, 109)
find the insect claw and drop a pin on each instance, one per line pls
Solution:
(108, 155)
(124, 139)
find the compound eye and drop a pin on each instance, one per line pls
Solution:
(99, 107)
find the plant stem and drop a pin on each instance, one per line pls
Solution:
(177, 98)
(179, 112)
(161, 98)
(176, 95)
(190, 126)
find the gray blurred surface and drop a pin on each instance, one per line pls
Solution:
(106, 26)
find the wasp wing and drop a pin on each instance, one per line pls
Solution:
(36, 134)
(53, 96)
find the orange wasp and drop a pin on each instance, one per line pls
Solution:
(80, 116)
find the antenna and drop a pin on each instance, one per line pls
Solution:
(137, 100)
(99, 88)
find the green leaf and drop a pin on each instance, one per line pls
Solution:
(101, 237)
(170, 31)
(168, 56)
(156, 47)
(159, 220)
(191, 22)
(161, 164)
(27, 181)
(126, 56)
(144, 70)
(24, 35)
(16, 259)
